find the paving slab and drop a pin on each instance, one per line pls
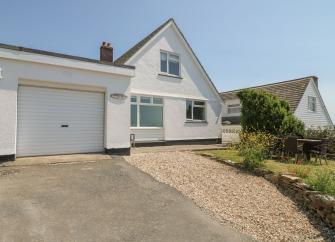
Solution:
(55, 159)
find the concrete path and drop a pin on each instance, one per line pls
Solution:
(167, 148)
(108, 200)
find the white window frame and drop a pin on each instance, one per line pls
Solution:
(234, 108)
(309, 102)
(138, 104)
(194, 105)
(167, 63)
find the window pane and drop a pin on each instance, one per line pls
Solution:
(188, 109)
(145, 99)
(151, 116)
(174, 64)
(199, 113)
(163, 62)
(312, 104)
(199, 103)
(133, 115)
(174, 58)
(234, 108)
(157, 100)
(133, 99)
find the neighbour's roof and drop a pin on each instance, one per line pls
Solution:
(132, 51)
(291, 91)
(72, 57)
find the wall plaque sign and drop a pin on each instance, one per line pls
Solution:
(118, 96)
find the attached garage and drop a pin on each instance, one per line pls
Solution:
(58, 121)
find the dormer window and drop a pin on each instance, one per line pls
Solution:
(170, 63)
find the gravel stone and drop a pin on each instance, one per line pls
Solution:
(249, 203)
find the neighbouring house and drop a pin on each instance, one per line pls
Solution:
(302, 95)
(54, 103)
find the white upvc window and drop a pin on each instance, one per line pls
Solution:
(234, 108)
(311, 104)
(195, 110)
(146, 111)
(170, 63)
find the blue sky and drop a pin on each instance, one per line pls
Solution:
(241, 43)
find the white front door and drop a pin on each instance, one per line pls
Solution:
(58, 121)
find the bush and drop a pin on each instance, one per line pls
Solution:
(292, 126)
(253, 158)
(322, 180)
(264, 112)
(323, 134)
(255, 148)
(260, 141)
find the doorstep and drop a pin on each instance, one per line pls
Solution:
(171, 148)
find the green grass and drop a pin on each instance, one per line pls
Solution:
(310, 173)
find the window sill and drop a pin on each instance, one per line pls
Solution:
(146, 128)
(169, 75)
(196, 122)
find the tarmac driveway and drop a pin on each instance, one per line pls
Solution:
(107, 200)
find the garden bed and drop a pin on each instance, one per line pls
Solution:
(292, 178)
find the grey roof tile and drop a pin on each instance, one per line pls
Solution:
(291, 91)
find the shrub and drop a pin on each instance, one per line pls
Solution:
(260, 141)
(322, 180)
(264, 112)
(253, 158)
(255, 147)
(323, 134)
(292, 126)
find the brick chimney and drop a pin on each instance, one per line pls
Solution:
(106, 52)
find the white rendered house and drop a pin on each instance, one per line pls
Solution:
(173, 99)
(53, 103)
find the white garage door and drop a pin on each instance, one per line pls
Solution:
(56, 121)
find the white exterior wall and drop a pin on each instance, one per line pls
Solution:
(231, 134)
(225, 108)
(317, 119)
(117, 116)
(175, 91)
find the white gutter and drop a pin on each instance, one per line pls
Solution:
(64, 62)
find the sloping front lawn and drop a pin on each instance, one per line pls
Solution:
(305, 171)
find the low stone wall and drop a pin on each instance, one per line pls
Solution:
(322, 205)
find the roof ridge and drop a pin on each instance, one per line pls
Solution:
(130, 52)
(273, 84)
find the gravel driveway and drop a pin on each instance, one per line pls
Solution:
(251, 204)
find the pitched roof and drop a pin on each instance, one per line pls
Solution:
(291, 91)
(55, 54)
(132, 51)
